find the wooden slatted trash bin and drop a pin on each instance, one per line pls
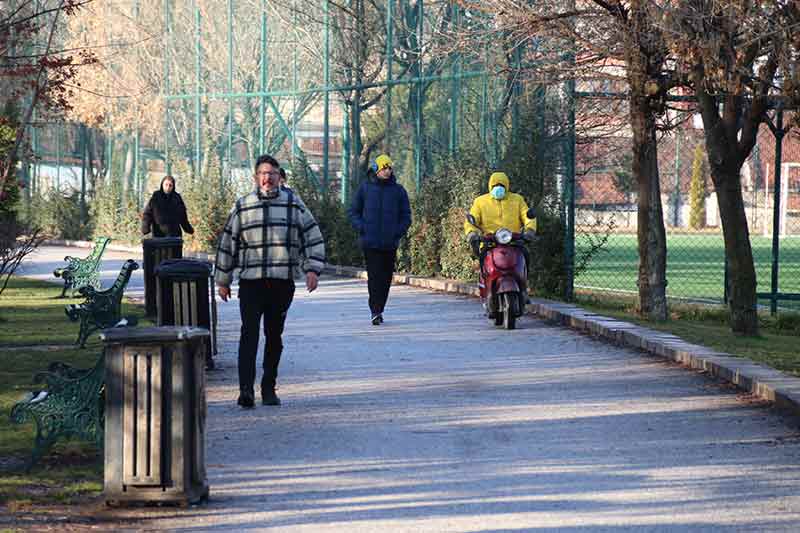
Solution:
(155, 415)
(154, 251)
(185, 297)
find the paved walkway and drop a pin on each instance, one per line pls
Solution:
(436, 421)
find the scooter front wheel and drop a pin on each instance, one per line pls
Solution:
(508, 305)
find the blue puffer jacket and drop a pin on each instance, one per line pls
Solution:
(380, 213)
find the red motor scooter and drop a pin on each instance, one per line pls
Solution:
(503, 279)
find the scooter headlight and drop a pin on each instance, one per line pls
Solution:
(502, 236)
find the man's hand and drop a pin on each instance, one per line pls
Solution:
(311, 281)
(475, 243)
(529, 235)
(224, 293)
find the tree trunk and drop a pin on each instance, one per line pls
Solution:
(741, 270)
(726, 155)
(650, 231)
(644, 58)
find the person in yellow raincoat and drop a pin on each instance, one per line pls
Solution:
(499, 208)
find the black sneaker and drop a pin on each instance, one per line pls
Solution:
(377, 320)
(270, 398)
(246, 400)
(380, 318)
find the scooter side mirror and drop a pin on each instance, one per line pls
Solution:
(531, 212)
(471, 219)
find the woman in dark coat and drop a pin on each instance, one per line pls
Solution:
(165, 213)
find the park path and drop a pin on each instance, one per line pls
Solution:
(436, 421)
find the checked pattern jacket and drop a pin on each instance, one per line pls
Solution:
(269, 238)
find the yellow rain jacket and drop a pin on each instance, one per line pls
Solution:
(511, 212)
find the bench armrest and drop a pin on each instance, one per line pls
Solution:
(93, 294)
(88, 291)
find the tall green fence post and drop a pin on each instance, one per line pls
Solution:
(197, 126)
(326, 130)
(389, 66)
(569, 197)
(230, 90)
(167, 50)
(262, 119)
(294, 81)
(345, 155)
(455, 89)
(569, 182)
(776, 211)
(516, 90)
(418, 111)
(485, 104)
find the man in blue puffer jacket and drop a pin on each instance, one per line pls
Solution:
(381, 215)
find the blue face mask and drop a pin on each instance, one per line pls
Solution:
(498, 192)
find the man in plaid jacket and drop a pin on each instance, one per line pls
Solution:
(269, 235)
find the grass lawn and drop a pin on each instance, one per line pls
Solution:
(34, 331)
(708, 326)
(695, 266)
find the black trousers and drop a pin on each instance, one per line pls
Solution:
(380, 267)
(268, 298)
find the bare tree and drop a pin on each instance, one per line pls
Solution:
(738, 58)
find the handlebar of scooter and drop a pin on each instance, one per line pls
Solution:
(489, 237)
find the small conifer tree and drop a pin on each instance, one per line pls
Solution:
(697, 190)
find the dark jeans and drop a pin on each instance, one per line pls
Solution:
(380, 267)
(270, 299)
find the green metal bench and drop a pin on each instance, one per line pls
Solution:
(70, 405)
(81, 273)
(101, 309)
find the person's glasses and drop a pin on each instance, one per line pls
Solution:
(273, 174)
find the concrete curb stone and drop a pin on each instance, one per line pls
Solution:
(763, 382)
